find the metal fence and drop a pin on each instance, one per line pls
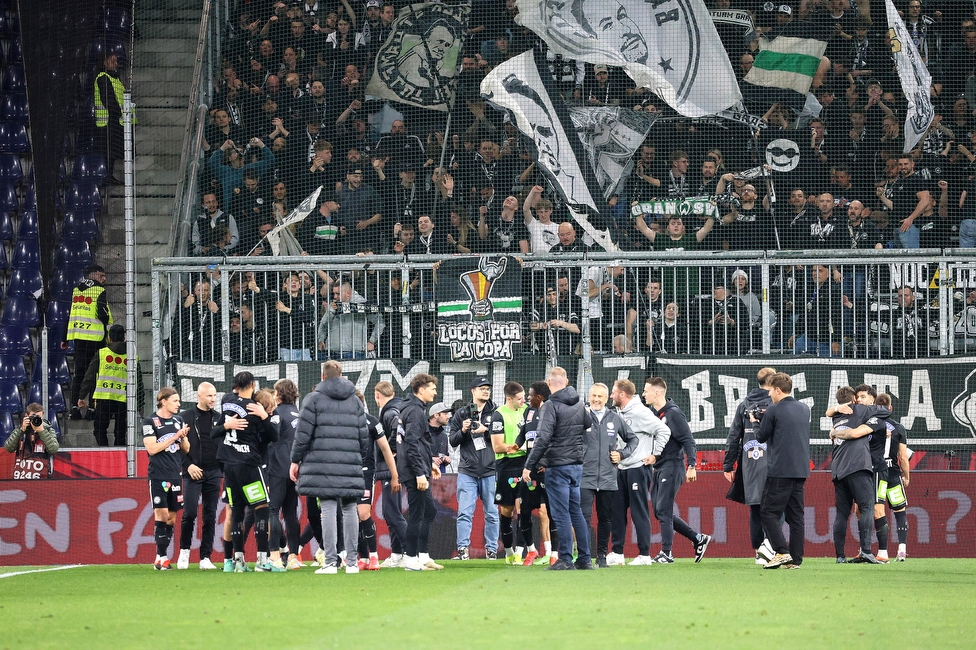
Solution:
(891, 305)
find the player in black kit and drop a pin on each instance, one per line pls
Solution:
(532, 493)
(896, 458)
(164, 437)
(243, 453)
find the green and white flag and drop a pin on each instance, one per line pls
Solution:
(787, 64)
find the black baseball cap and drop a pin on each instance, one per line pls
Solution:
(478, 382)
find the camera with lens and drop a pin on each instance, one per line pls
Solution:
(36, 420)
(756, 412)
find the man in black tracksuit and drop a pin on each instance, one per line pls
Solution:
(668, 472)
(785, 428)
(390, 405)
(742, 447)
(415, 466)
(201, 475)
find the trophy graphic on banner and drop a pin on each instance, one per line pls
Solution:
(478, 285)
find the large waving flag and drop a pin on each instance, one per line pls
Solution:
(784, 67)
(669, 46)
(914, 76)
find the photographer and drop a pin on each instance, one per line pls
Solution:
(468, 430)
(34, 443)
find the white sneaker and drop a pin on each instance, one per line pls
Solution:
(615, 559)
(184, 561)
(640, 560)
(352, 568)
(766, 550)
(319, 558)
(395, 561)
(412, 564)
(327, 570)
(207, 565)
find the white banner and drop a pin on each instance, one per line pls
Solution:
(611, 136)
(669, 46)
(914, 76)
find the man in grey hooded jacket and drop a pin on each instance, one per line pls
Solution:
(344, 331)
(327, 460)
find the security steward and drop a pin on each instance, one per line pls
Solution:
(107, 377)
(88, 321)
(109, 100)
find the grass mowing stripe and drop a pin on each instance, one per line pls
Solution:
(728, 603)
(25, 572)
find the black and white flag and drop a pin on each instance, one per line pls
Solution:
(419, 62)
(915, 79)
(669, 46)
(610, 136)
(517, 88)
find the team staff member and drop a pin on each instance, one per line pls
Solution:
(600, 475)
(669, 471)
(243, 454)
(88, 322)
(106, 380)
(742, 448)
(532, 493)
(201, 476)
(386, 471)
(896, 457)
(164, 437)
(368, 558)
(866, 396)
(560, 446)
(509, 461)
(785, 428)
(415, 466)
(468, 431)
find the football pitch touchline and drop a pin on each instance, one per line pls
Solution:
(57, 568)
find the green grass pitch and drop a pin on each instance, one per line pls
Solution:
(720, 603)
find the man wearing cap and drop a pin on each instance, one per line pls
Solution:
(470, 431)
(325, 231)
(601, 90)
(88, 320)
(362, 207)
(438, 416)
(107, 376)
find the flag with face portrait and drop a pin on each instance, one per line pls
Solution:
(420, 60)
(517, 87)
(610, 136)
(914, 76)
(669, 46)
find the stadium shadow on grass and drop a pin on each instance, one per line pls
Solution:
(721, 603)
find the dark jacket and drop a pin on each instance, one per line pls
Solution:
(786, 428)
(389, 421)
(602, 437)
(562, 431)
(742, 446)
(279, 452)
(477, 463)
(331, 441)
(681, 440)
(415, 446)
(88, 383)
(203, 448)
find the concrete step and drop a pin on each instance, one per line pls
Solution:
(150, 92)
(148, 45)
(152, 117)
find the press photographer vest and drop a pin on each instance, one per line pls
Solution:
(33, 461)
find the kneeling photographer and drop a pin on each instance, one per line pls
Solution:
(35, 443)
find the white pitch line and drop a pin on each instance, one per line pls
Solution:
(57, 568)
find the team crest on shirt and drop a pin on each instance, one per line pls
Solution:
(754, 449)
(610, 425)
(157, 422)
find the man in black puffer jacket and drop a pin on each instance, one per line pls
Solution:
(330, 444)
(560, 446)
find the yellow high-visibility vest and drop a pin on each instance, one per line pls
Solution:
(83, 320)
(101, 113)
(113, 370)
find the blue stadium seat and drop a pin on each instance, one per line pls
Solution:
(6, 227)
(9, 201)
(10, 399)
(14, 23)
(4, 25)
(30, 197)
(3, 263)
(57, 312)
(57, 367)
(114, 20)
(10, 168)
(90, 166)
(15, 340)
(12, 368)
(55, 397)
(14, 138)
(64, 282)
(21, 310)
(80, 225)
(83, 196)
(102, 47)
(75, 253)
(14, 108)
(15, 53)
(13, 79)
(27, 254)
(52, 417)
(87, 138)
(28, 225)
(25, 282)
(7, 425)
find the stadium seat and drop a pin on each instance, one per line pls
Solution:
(80, 225)
(30, 197)
(21, 310)
(10, 168)
(13, 79)
(14, 108)
(90, 166)
(14, 22)
(83, 196)
(15, 53)
(4, 25)
(114, 20)
(12, 368)
(52, 417)
(14, 138)
(25, 282)
(3, 264)
(10, 399)
(6, 227)
(27, 254)
(57, 312)
(7, 425)
(102, 47)
(9, 201)
(75, 253)
(57, 366)
(28, 225)
(64, 282)
(87, 139)
(15, 339)
(55, 397)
